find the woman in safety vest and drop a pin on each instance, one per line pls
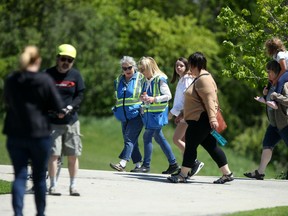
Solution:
(155, 113)
(128, 88)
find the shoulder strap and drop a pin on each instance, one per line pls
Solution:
(199, 95)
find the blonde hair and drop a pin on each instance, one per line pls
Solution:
(149, 64)
(29, 56)
(274, 45)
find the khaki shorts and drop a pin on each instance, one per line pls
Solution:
(66, 139)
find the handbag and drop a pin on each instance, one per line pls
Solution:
(221, 121)
(219, 117)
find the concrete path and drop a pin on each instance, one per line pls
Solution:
(111, 193)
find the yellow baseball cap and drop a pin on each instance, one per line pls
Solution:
(67, 50)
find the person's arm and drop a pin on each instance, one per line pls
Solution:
(281, 98)
(79, 95)
(207, 91)
(165, 91)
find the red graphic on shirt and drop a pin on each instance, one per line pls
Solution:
(65, 84)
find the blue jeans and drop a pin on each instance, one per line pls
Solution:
(273, 135)
(20, 151)
(131, 130)
(160, 139)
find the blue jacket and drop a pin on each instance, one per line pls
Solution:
(156, 114)
(127, 95)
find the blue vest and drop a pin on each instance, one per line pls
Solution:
(156, 115)
(128, 97)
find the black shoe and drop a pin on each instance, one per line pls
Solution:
(171, 169)
(224, 179)
(255, 175)
(141, 169)
(196, 168)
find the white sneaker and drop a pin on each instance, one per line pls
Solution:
(74, 192)
(272, 104)
(52, 191)
(260, 99)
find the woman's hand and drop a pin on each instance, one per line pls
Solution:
(170, 116)
(214, 125)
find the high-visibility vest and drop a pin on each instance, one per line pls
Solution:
(156, 106)
(134, 99)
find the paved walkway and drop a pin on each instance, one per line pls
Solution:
(111, 193)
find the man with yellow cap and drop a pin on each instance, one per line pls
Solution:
(65, 125)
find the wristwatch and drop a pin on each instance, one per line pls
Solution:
(69, 107)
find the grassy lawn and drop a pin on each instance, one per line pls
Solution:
(102, 144)
(5, 187)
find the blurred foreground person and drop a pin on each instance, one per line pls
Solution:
(28, 97)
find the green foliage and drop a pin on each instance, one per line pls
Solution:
(249, 143)
(246, 34)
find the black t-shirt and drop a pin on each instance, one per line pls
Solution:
(28, 97)
(71, 88)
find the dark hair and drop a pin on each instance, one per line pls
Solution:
(175, 74)
(198, 60)
(274, 66)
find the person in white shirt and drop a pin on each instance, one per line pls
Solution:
(185, 78)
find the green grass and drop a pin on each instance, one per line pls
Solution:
(5, 187)
(277, 211)
(102, 144)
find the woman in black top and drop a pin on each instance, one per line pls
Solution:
(28, 97)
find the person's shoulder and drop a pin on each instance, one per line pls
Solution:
(12, 75)
(204, 79)
(75, 72)
(50, 70)
(44, 76)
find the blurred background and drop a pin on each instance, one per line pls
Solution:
(230, 33)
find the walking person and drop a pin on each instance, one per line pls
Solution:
(65, 125)
(278, 126)
(128, 87)
(200, 109)
(28, 97)
(185, 78)
(155, 114)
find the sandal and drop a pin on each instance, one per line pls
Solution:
(224, 179)
(180, 178)
(260, 99)
(272, 104)
(255, 175)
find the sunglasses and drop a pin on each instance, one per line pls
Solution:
(64, 59)
(127, 68)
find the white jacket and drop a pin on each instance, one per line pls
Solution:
(182, 85)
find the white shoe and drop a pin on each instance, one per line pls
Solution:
(52, 191)
(272, 104)
(260, 99)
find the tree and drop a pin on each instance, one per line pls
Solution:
(246, 34)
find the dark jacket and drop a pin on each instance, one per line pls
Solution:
(28, 97)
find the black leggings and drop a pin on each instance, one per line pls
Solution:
(198, 132)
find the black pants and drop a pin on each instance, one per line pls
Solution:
(198, 132)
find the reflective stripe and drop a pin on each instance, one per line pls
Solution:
(127, 102)
(158, 106)
(136, 93)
